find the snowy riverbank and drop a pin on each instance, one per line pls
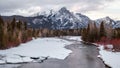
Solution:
(82, 55)
(110, 58)
(38, 48)
(52, 47)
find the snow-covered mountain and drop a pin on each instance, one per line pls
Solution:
(117, 25)
(62, 19)
(107, 20)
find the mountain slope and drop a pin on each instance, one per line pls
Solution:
(117, 25)
(108, 21)
(62, 19)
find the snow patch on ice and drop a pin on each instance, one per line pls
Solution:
(41, 47)
(76, 38)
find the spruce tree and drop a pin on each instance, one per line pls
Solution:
(96, 37)
(102, 30)
(88, 33)
(13, 24)
(25, 25)
(84, 34)
(1, 32)
(19, 25)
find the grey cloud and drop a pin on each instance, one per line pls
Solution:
(92, 5)
(12, 5)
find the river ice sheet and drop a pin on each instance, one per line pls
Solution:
(41, 47)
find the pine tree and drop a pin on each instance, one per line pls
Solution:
(96, 37)
(88, 32)
(1, 31)
(19, 25)
(84, 34)
(102, 30)
(13, 24)
(25, 25)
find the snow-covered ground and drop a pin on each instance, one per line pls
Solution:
(112, 59)
(76, 38)
(38, 48)
(52, 47)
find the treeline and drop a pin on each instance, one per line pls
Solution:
(94, 33)
(62, 32)
(14, 32)
(102, 34)
(116, 33)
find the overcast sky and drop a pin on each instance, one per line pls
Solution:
(92, 8)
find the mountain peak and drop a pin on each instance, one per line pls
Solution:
(107, 17)
(64, 10)
(78, 14)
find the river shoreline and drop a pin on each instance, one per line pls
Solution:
(82, 56)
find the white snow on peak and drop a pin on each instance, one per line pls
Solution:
(117, 25)
(107, 20)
